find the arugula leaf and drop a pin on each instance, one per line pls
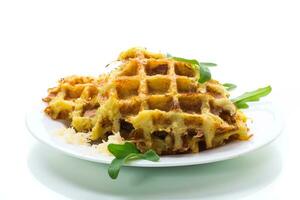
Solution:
(242, 105)
(205, 74)
(241, 101)
(114, 167)
(190, 61)
(122, 150)
(208, 64)
(124, 153)
(229, 86)
(150, 155)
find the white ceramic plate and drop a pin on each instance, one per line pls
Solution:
(266, 125)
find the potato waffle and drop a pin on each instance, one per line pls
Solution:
(75, 100)
(155, 102)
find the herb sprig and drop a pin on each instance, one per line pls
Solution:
(241, 101)
(229, 86)
(205, 75)
(203, 67)
(124, 153)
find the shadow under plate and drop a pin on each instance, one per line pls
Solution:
(80, 179)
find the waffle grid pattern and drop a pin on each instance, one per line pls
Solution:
(153, 101)
(157, 85)
(75, 100)
(167, 109)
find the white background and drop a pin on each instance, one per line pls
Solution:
(255, 43)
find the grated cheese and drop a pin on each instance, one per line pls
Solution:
(70, 136)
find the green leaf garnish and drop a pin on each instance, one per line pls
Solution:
(203, 67)
(190, 61)
(208, 64)
(241, 101)
(205, 74)
(122, 150)
(114, 167)
(124, 153)
(150, 155)
(229, 86)
(242, 105)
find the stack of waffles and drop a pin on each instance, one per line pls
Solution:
(153, 101)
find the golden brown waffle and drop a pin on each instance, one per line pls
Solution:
(75, 100)
(157, 103)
